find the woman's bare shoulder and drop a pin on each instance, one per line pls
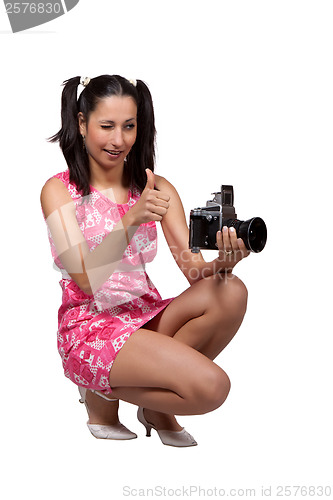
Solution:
(164, 185)
(176, 208)
(54, 195)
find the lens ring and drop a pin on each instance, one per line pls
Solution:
(256, 241)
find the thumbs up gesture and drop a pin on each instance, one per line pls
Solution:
(152, 205)
(150, 179)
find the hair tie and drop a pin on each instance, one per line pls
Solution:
(132, 81)
(84, 81)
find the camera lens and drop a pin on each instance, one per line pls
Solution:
(254, 234)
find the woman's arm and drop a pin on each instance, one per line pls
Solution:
(90, 269)
(176, 232)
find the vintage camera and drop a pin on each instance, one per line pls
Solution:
(219, 212)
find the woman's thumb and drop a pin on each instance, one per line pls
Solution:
(150, 179)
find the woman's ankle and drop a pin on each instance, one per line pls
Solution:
(161, 421)
(101, 411)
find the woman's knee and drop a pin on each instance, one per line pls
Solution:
(211, 390)
(230, 295)
(238, 291)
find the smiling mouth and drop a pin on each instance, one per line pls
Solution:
(113, 153)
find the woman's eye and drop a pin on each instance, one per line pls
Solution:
(127, 127)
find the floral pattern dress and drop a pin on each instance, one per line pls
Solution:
(92, 329)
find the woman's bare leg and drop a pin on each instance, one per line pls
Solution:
(205, 317)
(160, 373)
(101, 411)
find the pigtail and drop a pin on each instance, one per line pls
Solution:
(69, 137)
(142, 155)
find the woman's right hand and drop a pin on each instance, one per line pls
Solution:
(152, 204)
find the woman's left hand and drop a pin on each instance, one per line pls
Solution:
(231, 249)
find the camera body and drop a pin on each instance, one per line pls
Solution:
(219, 212)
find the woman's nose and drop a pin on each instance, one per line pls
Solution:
(117, 137)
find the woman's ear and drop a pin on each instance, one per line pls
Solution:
(82, 123)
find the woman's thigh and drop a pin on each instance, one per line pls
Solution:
(208, 293)
(158, 372)
(149, 359)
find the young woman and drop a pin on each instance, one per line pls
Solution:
(117, 338)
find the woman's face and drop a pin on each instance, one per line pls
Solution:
(110, 131)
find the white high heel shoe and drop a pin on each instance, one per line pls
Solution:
(171, 438)
(118, 431)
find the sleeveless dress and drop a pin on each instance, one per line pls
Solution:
(92, 329)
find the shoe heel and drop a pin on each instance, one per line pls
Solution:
(144, 422)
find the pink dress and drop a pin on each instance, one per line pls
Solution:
(92, 329)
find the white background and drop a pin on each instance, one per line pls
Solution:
(243, 95)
